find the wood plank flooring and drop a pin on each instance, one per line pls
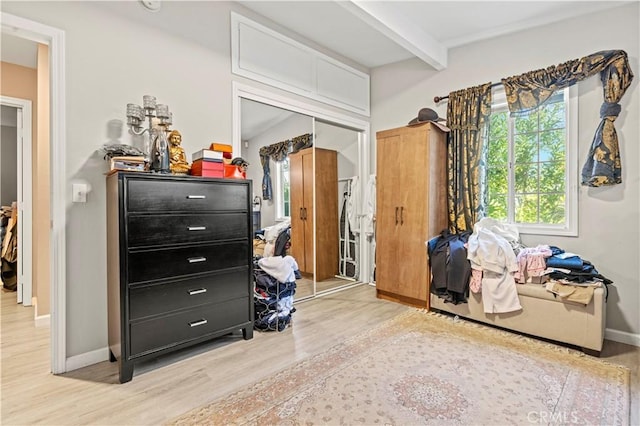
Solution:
(169, 386)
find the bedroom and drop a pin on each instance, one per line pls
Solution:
(96, 53)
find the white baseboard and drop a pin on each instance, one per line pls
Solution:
(88, 358)
(43, 320)
(622, 337)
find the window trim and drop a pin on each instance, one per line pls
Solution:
(570, 227)
(280, 217)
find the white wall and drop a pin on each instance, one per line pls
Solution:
(8, 165)
(345, 142)
(608, 217)
(296, 125)
(342, 140)
(116, 52)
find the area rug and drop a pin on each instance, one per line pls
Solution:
(425, 368)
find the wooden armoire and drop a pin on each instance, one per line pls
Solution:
(411, 207)
(325, 178)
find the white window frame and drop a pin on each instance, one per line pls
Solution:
(279, 193)
(570, 227)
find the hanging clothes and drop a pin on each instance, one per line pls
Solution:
(353, 204)
(369, 207)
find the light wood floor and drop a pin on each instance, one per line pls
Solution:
(304, 286)
(171, 386)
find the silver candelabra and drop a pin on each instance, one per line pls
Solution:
(135, 120)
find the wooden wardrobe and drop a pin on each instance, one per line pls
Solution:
(325, 178)
(411, 207)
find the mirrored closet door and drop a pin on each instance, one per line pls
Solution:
(312, 167)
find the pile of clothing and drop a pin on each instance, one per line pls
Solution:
(573, 278)
(274, 288)
(450, 268)
(493, 261)
(273, 240)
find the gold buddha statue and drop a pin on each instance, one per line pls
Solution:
(177, 157)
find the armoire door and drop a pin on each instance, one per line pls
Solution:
(296, 172)
(307, 209)
(302, 181)
(414, 212)
(388, 198)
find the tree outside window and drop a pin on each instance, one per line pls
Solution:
(526, 165)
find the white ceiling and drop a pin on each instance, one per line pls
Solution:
(257, 118)
(375, 33)
(370, 33)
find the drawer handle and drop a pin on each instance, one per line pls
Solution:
(196, 228)
(197, 323)
(197, 291)
(197, 259)
(196, 197)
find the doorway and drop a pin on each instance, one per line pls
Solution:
(330, 129)
(16, 186)
(53, 39)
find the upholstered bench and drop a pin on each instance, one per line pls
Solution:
(542, 315)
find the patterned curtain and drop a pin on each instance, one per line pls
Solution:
(468, 114)
(279, 152)
(528, 91)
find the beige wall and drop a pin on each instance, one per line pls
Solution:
(41, 186)
(33, 84)
(21, 82)
(609, 217)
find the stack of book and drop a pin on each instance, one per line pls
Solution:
(210, 162)
(128, 163)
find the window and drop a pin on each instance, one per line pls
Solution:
(283, 200)
(530, 166)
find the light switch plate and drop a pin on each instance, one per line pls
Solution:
(79, 191)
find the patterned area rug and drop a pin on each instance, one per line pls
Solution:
(425, 368)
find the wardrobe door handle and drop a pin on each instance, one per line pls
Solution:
(301, 215)
(305, 213)
(197, 323)
(197, 291)
(396, 215)
(401, 215)
(196, 228)
(196, 197)
(197, 259)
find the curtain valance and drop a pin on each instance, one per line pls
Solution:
(279, 152)
(528, 91)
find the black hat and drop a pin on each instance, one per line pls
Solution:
(427, 114)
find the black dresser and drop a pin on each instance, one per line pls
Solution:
(179, 263)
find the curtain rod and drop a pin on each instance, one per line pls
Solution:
(437, 99)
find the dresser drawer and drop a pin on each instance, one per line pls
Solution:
(181, 327)
(158, 299)
(147, 230)
(145, 195)
(147, 265)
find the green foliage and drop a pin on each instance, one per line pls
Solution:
(538, 165)
(286, 188)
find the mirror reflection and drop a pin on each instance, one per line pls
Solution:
(305, 193)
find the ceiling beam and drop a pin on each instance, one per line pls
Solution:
(382, 17)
